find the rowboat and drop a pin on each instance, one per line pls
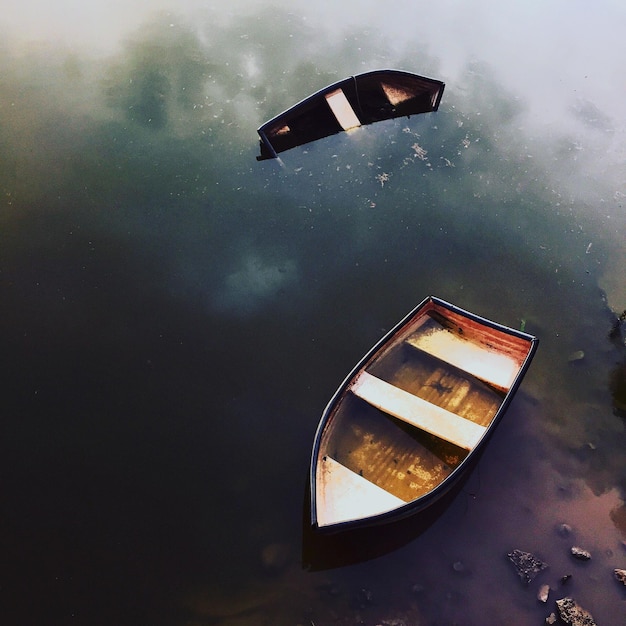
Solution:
(348, 104)
(406, 422)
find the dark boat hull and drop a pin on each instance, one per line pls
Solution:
(355, 101)
(413, 413)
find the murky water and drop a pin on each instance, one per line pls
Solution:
(175, 316)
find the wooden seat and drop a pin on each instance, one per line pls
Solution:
(417, 412)
(343, 495)
(496, 369)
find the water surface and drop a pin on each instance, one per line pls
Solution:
(175, 317)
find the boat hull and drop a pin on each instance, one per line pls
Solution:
(355, 101)
(407, 421)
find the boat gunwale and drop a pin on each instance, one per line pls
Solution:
(425, 500)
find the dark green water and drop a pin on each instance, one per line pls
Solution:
(174, 317)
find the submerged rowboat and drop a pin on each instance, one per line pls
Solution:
(355, 101)
(407, 420)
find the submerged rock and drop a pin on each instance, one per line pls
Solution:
(363, 598)
(417, 588)
(551, 619)
(526, 564)
(573, 614)
(616, 329)
(543, 593)
(328, 588)
(564, 530)
(620, 575)
(617, 386)
(580, 554)
(275, 557)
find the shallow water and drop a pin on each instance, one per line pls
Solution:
(175, 317)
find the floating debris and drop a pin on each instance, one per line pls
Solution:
(382, 178)
(551, 619)
(573, 614)
(580, 554)
(620, 576)
(579, 355)
(526, 564)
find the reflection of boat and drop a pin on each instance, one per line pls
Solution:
(407, 420)
(352, 102)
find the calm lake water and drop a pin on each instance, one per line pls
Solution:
(174, 315)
